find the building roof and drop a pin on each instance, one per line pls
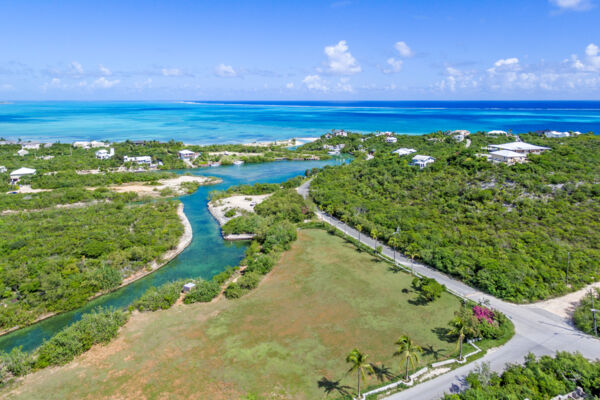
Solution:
(404, 151)
(422, 158)
(497, 132)
(460, 132)
(507, 153)
(23, 171)
(516, 146)
(186, 151)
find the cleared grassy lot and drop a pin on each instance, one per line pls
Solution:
(323, 299)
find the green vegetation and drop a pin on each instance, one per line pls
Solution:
(54, 260)
(583, 316)
(284, 204)
(159, 298)
(256, 189)
(322, 299)
(204, 292)
(508, 230)
(429, 289)
(537, 379)
(72, 179)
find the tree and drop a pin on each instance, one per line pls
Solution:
(359, 229)
(359, 364)
(460, 327)
(374, 234)
(408, 352)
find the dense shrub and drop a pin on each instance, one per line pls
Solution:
(203, 292)
(278, 236)
(99, 326)
(234, 291)
(15, 363)
(583, 317)
(284, 204)
(161, 297)
(429, 289)
(537, 379)
(250, 223)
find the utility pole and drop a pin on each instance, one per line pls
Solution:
(568, 261)
(594, 311)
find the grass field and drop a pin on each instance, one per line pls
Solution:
(322, 299)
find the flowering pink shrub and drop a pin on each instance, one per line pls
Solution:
(484, 313)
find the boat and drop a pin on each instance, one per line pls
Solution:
(333, 153)
(238, 162)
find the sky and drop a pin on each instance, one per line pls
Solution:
(300, 50)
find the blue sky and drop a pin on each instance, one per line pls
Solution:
(292, 50)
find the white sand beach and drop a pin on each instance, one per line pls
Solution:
(218, 208)
(154, 190)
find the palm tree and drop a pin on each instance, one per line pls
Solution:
(359, 229)
(408, 352)
(374, 234)
(460, 328)
(359, 364)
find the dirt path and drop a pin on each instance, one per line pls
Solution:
(565, 305)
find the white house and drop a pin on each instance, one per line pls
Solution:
(391, 139)
(105, 154)
(138, 160)
(403, 151)
(341, 133)
(507, 157)
(519, 147)
(83, 145)
(22, 152)
(386, 133)
(462, 132)
(187, 154)
(188, 287)
(422, 161)
(30, 146)
(96, 144)
(17, 174)
(497, 132)
(459, 137)
(2, 169)
(556, 134)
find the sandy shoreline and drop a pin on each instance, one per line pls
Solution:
(184, 241)
(174, 184)
(246, 203)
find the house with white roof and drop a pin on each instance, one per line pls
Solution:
(138, 160)
(96, 144)
(519, 147)
(2, 169)
(104, 154)
(422, 161)
(186, 154)
(22, 152)
(17, 174)
(459, 137)
(507, 157)
(462, 132)
(341, 133)
(556, 134)
(497, 133)
(82, 144)
(391, 139)
(403, 151)
(30, 146)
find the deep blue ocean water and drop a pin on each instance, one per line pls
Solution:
(229, 122)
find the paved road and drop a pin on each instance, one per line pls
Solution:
(537, 331)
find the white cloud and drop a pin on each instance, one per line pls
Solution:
(573, 5)
(315, 82)
(171, 72)
(591, 62)
(143, 84)
(344, 86)
(225, 71)
(289, 85)
(457, 79)
(76, 68)
(506, 64)
(104, 83)
(403, 49)
(340, 61)
(6, 87)
(104, 70)
(395, 66)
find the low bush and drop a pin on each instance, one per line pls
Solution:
(99, 326)
(204, 292)
(234, 291)
(159, 298)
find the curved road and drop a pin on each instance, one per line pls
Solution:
(537, 331)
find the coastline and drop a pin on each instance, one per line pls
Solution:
(184, 242)
(246, 203)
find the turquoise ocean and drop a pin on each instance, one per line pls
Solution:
(206, 122)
